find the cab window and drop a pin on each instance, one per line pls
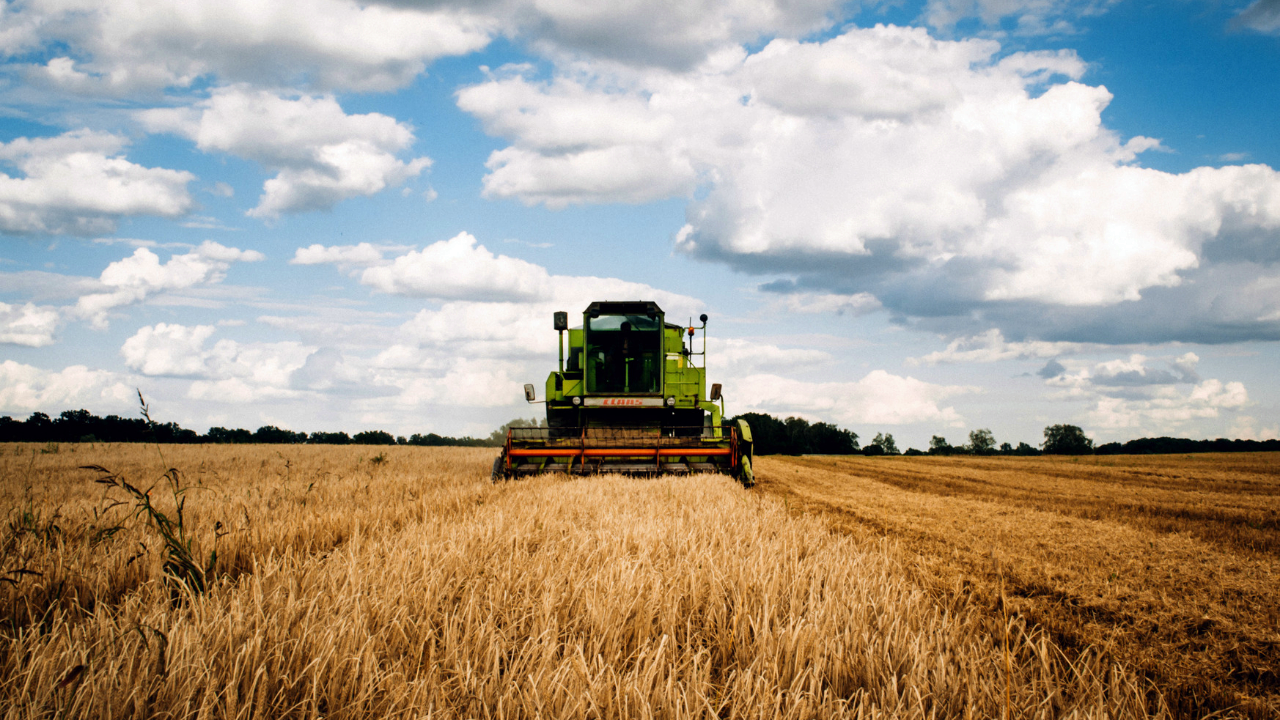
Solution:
(623, 354)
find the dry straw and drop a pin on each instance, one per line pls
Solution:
(1167, 562)
(411, 587)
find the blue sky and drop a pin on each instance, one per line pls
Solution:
(909, 217)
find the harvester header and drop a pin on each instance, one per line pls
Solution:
(631, 396)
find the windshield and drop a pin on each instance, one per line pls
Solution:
(624, 354)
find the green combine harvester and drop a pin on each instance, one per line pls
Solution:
(629, 400)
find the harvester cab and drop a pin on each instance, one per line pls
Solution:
(629, 398)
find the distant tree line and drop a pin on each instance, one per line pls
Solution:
(772, 436)
(796, 436)
(1168, 445)
(1058, 440)
(83, 426)
(1071, 440)
(981, 442)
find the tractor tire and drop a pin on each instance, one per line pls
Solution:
(746, 476)
(499, 467)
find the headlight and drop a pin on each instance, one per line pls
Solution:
(671, 402)
(577, 400)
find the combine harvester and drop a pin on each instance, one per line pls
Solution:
(630, 400)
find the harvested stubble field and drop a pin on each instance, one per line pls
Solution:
(1171, 564)
(357, 582)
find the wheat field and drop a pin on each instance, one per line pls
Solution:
(357, 582)
(1169, 563)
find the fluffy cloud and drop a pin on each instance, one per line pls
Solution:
(880, 398)
(992, 347)
(740, 357)
(78, 183)
(228, 372)
(1246, 428)
(168, 350)
(459, 268)
(321, 43)
(464, 382)
(810, 303)
(1168, 411)
(1135, 373)
(343, 255)
(1027, 17)
(142, 275)
(655, 32)
(573, 144)
(25, 389)
(121, 48)
(925, 174)
(1129, 376)
(19, 30)
(321, 154)
(29, 324)
(1129, 396)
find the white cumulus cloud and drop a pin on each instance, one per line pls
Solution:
(166, 349)
(345, 255)
(31, 325)
(1028, 17)
(459, 268)
(656, 32)
(467, 273)
(229, 371)
(883, 161)
(137, 47)
(339, 44)
(992, 347)
(1168, 411)
(1134, 396)
(79, 183)
(321, 154)
(461, 382)
(25, 388)
(142, 275)
(879, 398)
(740, 357)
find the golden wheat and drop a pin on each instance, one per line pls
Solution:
(1072, 545)
(357, 583)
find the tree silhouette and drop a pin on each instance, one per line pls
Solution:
(982, 442)
(886, 444)
(1066, 440)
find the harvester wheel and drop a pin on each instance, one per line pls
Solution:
(499, 467)
(747, 477)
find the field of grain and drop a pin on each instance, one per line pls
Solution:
(357, 582)
(1171, 564)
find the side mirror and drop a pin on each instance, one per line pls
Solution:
(529, 394)
(562, 321)
(715, 391)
